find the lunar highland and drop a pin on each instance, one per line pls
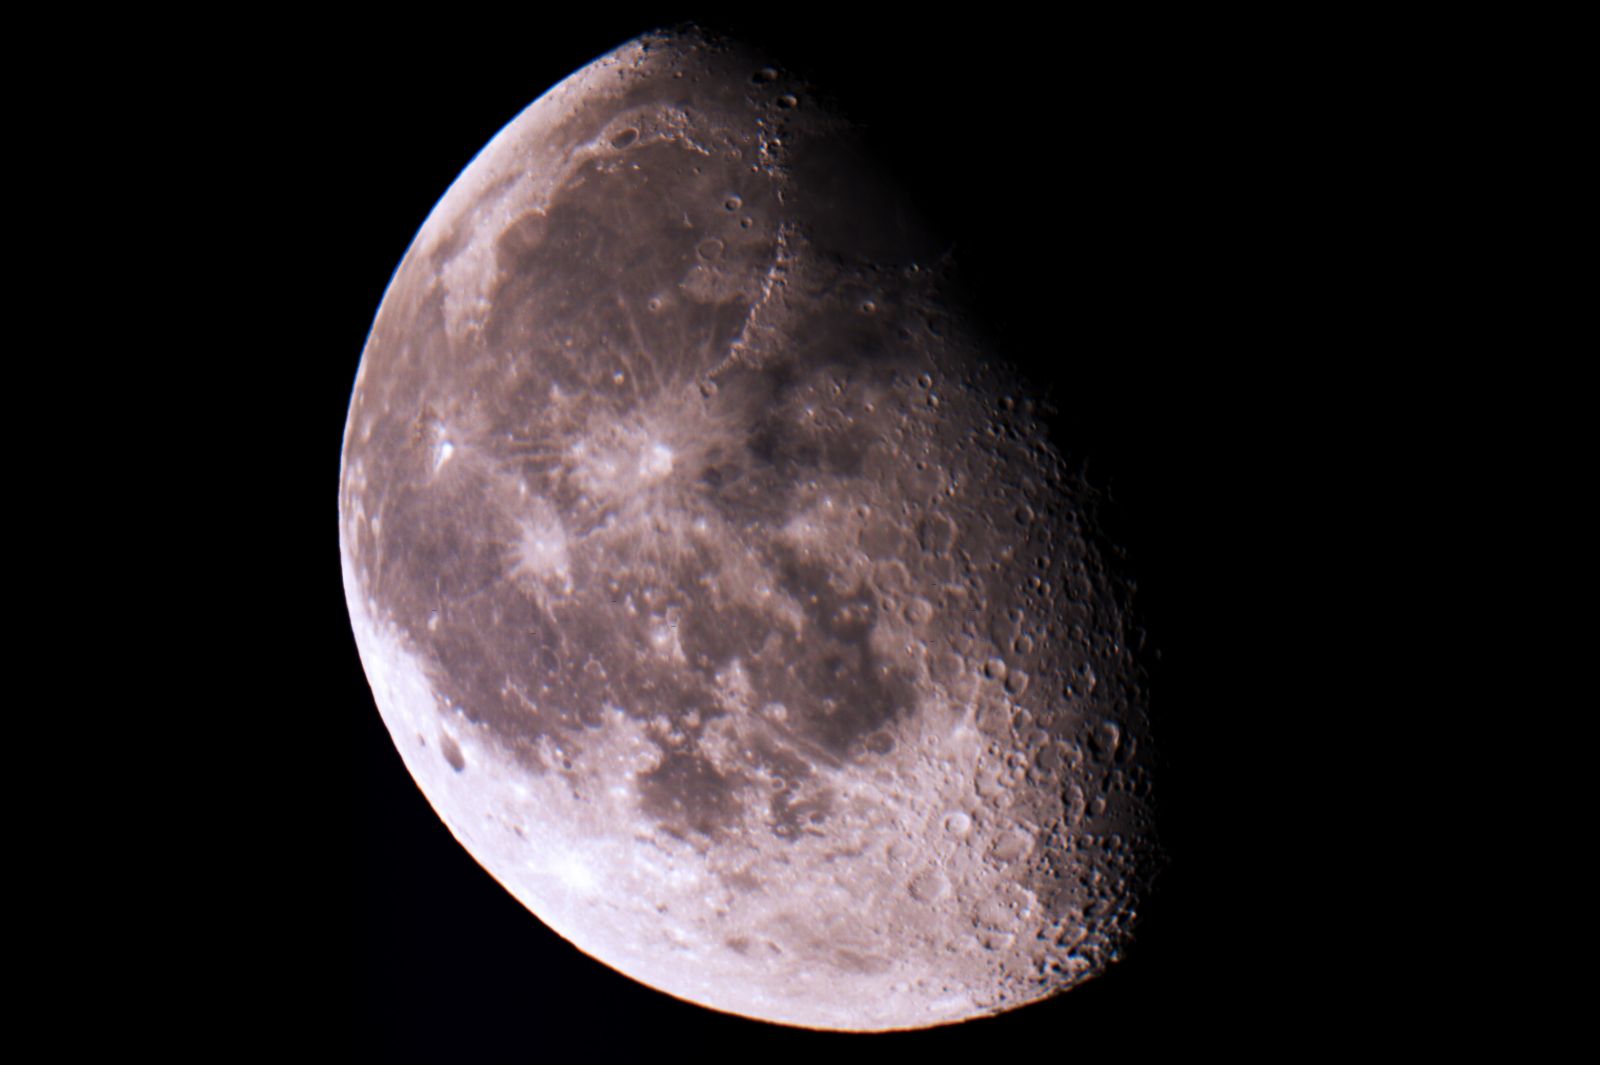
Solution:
(721, 589)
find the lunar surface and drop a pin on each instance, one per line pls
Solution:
(720, 588)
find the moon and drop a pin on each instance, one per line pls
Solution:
(720, 588)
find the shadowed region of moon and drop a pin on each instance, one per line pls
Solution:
(722, 592)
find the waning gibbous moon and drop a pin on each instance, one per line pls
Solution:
(719, 587)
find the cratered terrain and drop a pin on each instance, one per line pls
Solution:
(720, 588)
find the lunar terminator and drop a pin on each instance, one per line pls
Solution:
(720, 589)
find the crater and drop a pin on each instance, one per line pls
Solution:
(452, 753)
(929, 885)
(855, 962)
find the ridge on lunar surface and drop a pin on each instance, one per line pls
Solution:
(725, 598)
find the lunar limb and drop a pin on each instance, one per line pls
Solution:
(720, 590)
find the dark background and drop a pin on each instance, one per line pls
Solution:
(1149, 216)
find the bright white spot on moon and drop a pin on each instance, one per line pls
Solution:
(657, 461)
(572, 871)
(664, 638)
(541, 548)
(616, 463)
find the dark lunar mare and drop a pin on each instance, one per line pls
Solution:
(586, 295)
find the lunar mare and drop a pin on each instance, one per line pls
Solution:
(723, 595)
